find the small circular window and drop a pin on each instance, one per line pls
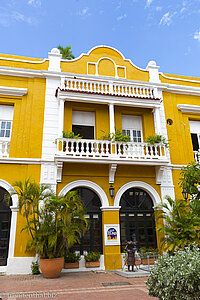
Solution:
(169, 122)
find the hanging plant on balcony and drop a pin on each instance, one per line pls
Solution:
(118, 136)
(71, 135)
(156, 139)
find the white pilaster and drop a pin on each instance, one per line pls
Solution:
(112, 118)
(54, 60)
(157, 122)
(61, 118)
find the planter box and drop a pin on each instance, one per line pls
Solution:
(92, 264)
(71, 265)
(151, 261)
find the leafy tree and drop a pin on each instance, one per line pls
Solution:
(181, 224)
(66, 52)
(54, 222)
(190, 179)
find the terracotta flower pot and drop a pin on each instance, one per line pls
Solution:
(51, 268)
(151, 261)
(92, 264)
(71, 265)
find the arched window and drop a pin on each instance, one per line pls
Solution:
(92, 240)
(137, 216)
(5, 218)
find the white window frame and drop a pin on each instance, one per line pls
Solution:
(84, 118)
(132, 123)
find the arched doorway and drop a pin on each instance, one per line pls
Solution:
(137, 216)
(92, 240)
(5, 219)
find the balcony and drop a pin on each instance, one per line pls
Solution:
(197, 156)
(4, 148)
(73, 150)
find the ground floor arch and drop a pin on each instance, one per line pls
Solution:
(136, 215)
(92, 203)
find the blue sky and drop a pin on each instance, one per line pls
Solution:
(167, 31)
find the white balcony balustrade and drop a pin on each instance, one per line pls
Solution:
(197, 156)
(4, 148)
(97, 149)
(111, 88)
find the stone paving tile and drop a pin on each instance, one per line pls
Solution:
(77, 286)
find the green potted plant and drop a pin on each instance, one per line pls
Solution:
(118, 136)
(92, 260)
(148, 255)
(156, 139)
(72, 260)
(54, 227)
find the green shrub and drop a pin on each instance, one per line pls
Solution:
(72, 257)
(177, 276)
(35, 268)
(92, 256)
(157, 139)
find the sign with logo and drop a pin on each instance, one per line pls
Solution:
(111, 234)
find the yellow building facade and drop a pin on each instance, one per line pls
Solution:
(119, 183)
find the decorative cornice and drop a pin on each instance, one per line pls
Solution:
(13, 91)
(107, 99)
(195, 109)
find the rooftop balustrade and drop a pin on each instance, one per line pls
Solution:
(110, 88)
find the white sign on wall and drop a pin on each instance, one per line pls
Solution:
(112, 234)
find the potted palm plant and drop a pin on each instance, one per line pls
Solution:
(72, 260)
(92, 260)
(54, 223)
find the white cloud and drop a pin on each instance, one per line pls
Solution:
(148, 3)
(124, 16)
(158, 8)
(166, 19)
(84, 12)
(197, 35)
(8, 16)
(35, 3)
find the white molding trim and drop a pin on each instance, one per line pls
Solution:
(110, 208)
(23, 60)
(107, 99)
(13, 224)
(178, 78)
(189, 108)
(114, 160)
(89, 184)
(139, 184)
(19, 265)
(13, 91)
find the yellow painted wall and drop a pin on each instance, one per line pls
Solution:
(101, 116)
(79, 66)
(11, 173)
(16, 61)
(27, 128)
(146, 114)
(180, 143)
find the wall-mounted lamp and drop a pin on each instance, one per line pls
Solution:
(185, 194)
(112, 191)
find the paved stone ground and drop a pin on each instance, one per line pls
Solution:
(74, 286)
